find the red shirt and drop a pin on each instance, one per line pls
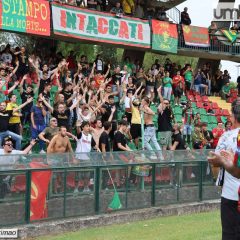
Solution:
(99, 80)
(72, 63)
(177, 80)
(219, 133)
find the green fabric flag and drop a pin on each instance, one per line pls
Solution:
(231, 35)
(116, 203)
(164, 37)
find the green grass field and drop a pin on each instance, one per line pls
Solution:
(204, 226)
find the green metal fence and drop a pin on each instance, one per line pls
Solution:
(140, 178)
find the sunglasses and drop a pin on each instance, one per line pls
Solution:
(53, 120)
(9, 144)
(166, 103)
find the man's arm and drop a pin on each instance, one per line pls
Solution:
(13, 87)
(160, 94)
(14, 70)
(70, 135)
(224, 159)
(51, 145)
(41, 136)
(32, 121)
(47, 104)
(174, 146)
(103, 147)
(113, 109)
(92, 72)
(22, 83)
(137, 91)
(120, 146)
(74, 105)
(106, 74)
(29, 100)
(148, 111)
(69, 146)
(28, 149)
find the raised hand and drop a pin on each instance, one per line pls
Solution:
(16, 83)
(113, 109)
(30, 99)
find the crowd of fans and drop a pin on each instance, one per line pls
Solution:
(98, 94)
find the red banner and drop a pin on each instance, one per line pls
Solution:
(196, 36)
(39, 189)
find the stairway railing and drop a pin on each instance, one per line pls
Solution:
(174, 15)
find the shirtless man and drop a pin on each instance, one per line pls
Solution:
(149, 132)
(60, 143)
(97, 131)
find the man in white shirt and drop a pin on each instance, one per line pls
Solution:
(230, 201)
(8, 148)
(8, 158)
(85, 144)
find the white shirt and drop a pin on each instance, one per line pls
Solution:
(99, 65)
(231, 184)
(124, 79)
(84, 145)
(7, 159)
(127, 102)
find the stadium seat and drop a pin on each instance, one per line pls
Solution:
(194, 105)
(224, 119)
(205, 99)
(178, 118)
(183, 98)
(214, 126)
(212, 120)
(218, 112)
(199, 104)
(225, 112)
(215, 105)
(132, 146)
(191, 98)
(204, 118)
(198, 98)
(177, 110)
(202, 111)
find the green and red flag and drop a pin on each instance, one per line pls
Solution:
(196, 36)
(164, 37)
(231, 35)
(39, 189)
(28, 16)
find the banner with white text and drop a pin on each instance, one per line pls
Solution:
(101, 27)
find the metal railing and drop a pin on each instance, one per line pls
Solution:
(174, 15)
(216, 46)
(83, 184)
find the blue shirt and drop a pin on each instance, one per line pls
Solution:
(37, 115)
(198, 80)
